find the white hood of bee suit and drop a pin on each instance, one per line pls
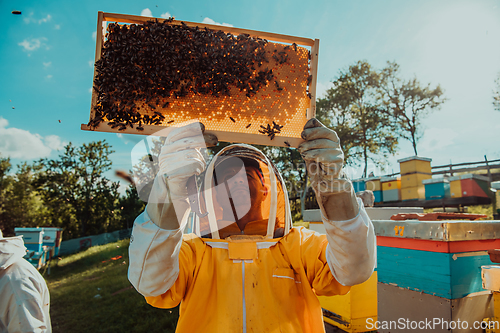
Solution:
(11, 250)
(277, 208)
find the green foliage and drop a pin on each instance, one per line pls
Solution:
(20, 203)
(372, 109)
(77, 195)
(5, 188)
(130, 207)
(408, 102)
(90, 292)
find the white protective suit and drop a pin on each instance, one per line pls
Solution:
(242, 283)
(24, 296)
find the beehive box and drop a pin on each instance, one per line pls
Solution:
(413, 193)
(474, 186)
(379, 197)
(352, 311)
(243, 85)
(414, 179)
(455, 187)
(438, 188)
(359, 185)
(432, 269)
(414, 164)
(32, 238)
(373, 184)
(441, 258)
(390, 183)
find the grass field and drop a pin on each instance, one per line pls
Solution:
(90, 292)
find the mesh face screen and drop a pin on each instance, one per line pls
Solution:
(166, 74)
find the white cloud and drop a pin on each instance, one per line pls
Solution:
(48, 77)
(47, 64)
(33, 44)
(57, 26)
(30, 19)
(45, 19)
(54, 142)
(94, 35)
(90, 90)
(91, 64)
(208, 20)
(166, 15)
(19, 143)
(146, 12)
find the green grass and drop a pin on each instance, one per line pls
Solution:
(90, 292)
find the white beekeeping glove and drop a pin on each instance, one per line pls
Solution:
(181, 157)
(351, 250)
(324, 161)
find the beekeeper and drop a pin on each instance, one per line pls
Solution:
(245, 269)
(24, 296)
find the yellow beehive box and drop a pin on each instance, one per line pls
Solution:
(414, 164)
(455, 187)
(373, 184)
(351, 312)
(390, 183)
(414, 179)
(496, 186)
(413, 193)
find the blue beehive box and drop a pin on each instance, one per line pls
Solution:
(378, 196)
(359, 185)
(432, 269)
(32, 237)
(436, 188)
(52, 238)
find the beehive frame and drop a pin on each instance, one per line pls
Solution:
(227, 136)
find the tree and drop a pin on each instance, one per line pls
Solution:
(130, 207)
(408, 102)
(354, 109)
(5, 187)
(20, 203)
(80, 199)
(496, 94)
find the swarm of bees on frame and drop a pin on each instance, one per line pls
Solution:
(156, 63)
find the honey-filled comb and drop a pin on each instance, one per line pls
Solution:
(244, 86)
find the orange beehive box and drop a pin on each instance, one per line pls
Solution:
(243, 85)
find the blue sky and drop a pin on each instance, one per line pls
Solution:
(47, 56)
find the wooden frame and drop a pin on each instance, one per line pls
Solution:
(104, 18)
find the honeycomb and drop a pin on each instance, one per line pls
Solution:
(262, 87)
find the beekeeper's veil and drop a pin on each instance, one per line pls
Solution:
(228, 165)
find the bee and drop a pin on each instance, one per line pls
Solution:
(232, 119)
(287, 144)
(295, 46)
(170, 121)
(248, 125)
